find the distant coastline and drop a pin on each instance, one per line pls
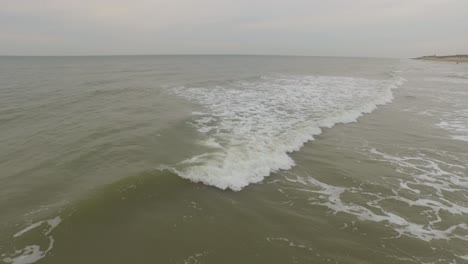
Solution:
(451, 58)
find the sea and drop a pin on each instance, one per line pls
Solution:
(232, 159)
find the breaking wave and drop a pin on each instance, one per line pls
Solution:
(251, 126)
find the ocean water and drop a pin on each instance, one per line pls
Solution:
(233, 159)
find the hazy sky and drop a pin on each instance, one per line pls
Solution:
(377, 28)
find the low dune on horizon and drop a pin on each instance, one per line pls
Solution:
(451, 58)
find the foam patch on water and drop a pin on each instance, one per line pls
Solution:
(426, 182)
(448, 102)
(32, 253)
(253, 125)
(289, 243)
(195, 258)
(374, 211)
(450, 79)
(441, 176)
(456, 123)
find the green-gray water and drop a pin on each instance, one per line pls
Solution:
(232, 159)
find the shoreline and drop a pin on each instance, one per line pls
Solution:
(452, 58)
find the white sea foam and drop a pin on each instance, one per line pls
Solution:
(289, 243)
(195, 258)
(425, 172)
(450, 79)
(29, 254)
(252, 126)
(32, 253)
(431, 182)
(449, 103)
(456, 123)
(374, 210)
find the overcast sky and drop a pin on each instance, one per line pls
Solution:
(371, 28)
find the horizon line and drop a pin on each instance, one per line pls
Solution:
(200, 54)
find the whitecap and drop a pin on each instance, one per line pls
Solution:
(260, 122)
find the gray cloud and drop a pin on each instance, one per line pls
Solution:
(398, 28)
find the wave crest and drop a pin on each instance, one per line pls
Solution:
(253, 125)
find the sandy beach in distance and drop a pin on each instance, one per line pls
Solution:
(454, 58)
